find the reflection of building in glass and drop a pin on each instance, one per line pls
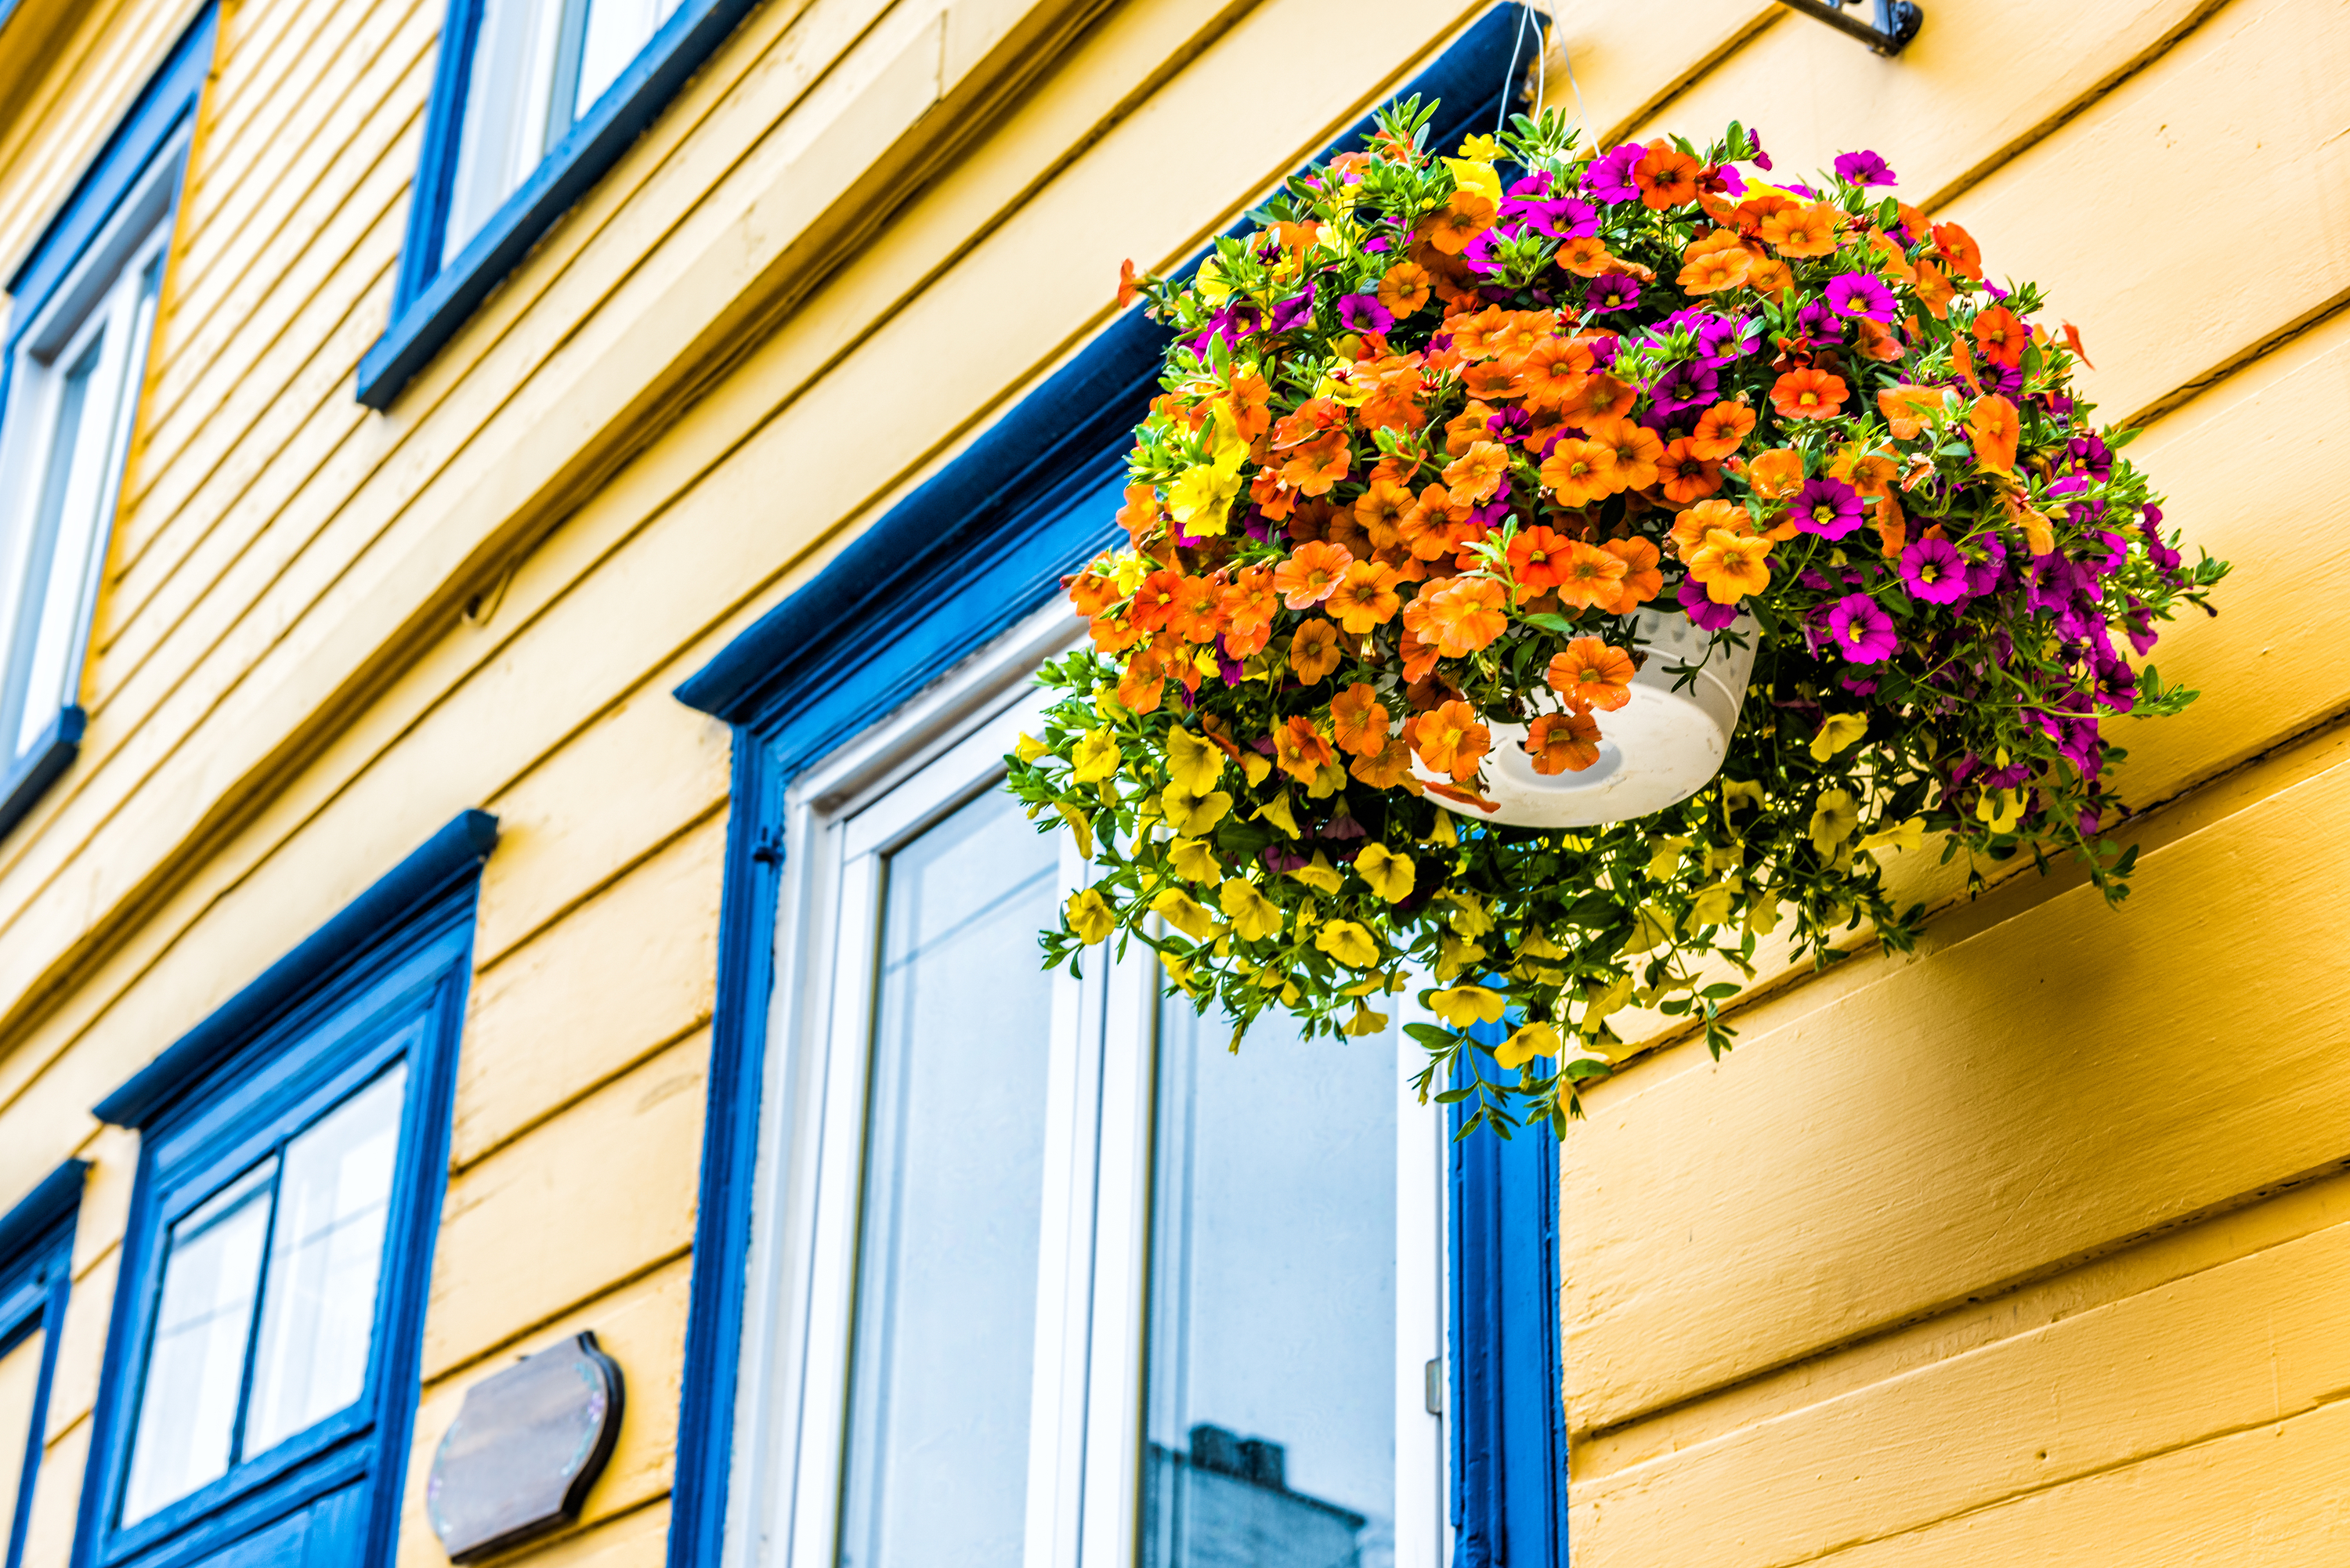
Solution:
(1224, 1505)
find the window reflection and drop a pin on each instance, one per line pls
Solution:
(1271, 1422)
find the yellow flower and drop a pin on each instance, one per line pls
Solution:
(1276, 812)
(1724, 858)
(2001, 808)
(1191, 813)
(1177, 970)
(1029, 748)
(1077, 826)
(1739, 793)
(1909, 835)
(1320, 875)
(1349, 943)
(1532, 1039)
(1193, 761)
(1711, 905)
(1466, 1005)
(1837, 732)
(1256, 768)
(1454, 954)
(1664, 856)
(1483, 149)
(1651, 927)
(1200, 497)
(1210, 283)
(1193, 861)
(1253, 916)
(1534, 942)
(1477, 175)
(1599, 1001)
(1365, 1020)
(1469, 917)
(1089, 916)
(1389, 875)
(1442, 832)
(1186, 914)
(1833, 821)
(1762, 913)
(1097, 757)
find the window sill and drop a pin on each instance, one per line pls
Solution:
(423, 324)
(48, 756)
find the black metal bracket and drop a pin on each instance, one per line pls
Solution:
(1897, 22)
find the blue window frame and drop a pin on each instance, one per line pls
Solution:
(1030, 500)
(83, 310)
(532, 102)
(261, 1367)
(36, 1276)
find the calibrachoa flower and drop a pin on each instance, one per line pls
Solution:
(1441, 449)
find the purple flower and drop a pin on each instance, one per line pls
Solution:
(1603, 348)
(1816, 320)
(1708, 615)
(1280, 857)
(1612, 291)
(1982, 576)
(1863, 169)
(1610, 178)
(1363, 313)
(1863, 634)
(1827, 507)
(1797, 188)
(1934, 571)
(1721, 338)
(1567, 218)
(1478, 254)
(1227, 667)
(1734, 183)
(1297, 307)
(1762, 158)
(1534, 187)
(1860, 293)
(1683, 387)
(1512, 425)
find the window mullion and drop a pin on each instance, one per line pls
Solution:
(253, 1320)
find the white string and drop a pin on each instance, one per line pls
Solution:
(1510, 77)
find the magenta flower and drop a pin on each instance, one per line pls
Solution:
(1863, 169)
(1363, 313)
(1827, 507)
(1934, 571)
(1610, 178)
(1860, 293)
(1612, 291)
(1698, 606)
(1864, 633)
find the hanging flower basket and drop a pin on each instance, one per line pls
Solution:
(1550, 576)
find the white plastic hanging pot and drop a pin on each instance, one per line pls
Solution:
(1658, 748)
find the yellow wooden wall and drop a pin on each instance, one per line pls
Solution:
(2035, 1248)
(863, 228)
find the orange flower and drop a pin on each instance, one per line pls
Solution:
(1807, 394)
(1603, 397)
(1590, 674)
(1140, 515)
(1154, 598)
(1963, 362)
(1585, 257)
(1933, 290)
(1318, 464)
(1314, 651)
(1554, 370)
(1805, 231)
(1666, 177)
(2000, 335)
(1518, 334)
(1892, 527)
(1732, 565)
(1494, 378)
(1389, 768)
(1691, 526)
(1770, 277)
(1776, 474)
(1359, 719)
(1252, 398)
(1403, 289)
(1537, 557)
(1907, 408)
(1252, 599)
(1958, 248)
(1198, 609)
(1380, 510)
(1240, 641)
(1111, 633)
(1896, 260)
(1685, 476)
(1563, 743)
(1091, 593)
(1705, 271)
(1720, 429)
(1642, 581)
(2072, 341)
(1126, 289)
(1591, 575)
(1467, 615)
(1637, 449)
(1366, 596)
(1869, 472)
(1464, 215)
(1143, 682)
(1451, 741)
(1876, 341)
(1467, 429)
(1993, 422)
(1312, 571)
(1580, 471)
(1475, 338)
(1299, 750)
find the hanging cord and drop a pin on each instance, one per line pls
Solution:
(1510, 77)
(1526, 14)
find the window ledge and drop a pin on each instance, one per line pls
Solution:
(424, 323)
(47, 757)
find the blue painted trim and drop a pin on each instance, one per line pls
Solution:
(431, 302)
(383, 982)
(1026, 502)
(35, 1278)
(456, 851)
(46, 758)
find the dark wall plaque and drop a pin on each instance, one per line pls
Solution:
(527, 1445)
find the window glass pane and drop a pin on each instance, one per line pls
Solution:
(326, 1253)
(946, 1310)
(616, 30)
(506, 127)
(36, 547)
(20, 1382)
(1273, 1360)
(195, 1363)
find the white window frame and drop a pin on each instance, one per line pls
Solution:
(1088, 1405)
(102, 298)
